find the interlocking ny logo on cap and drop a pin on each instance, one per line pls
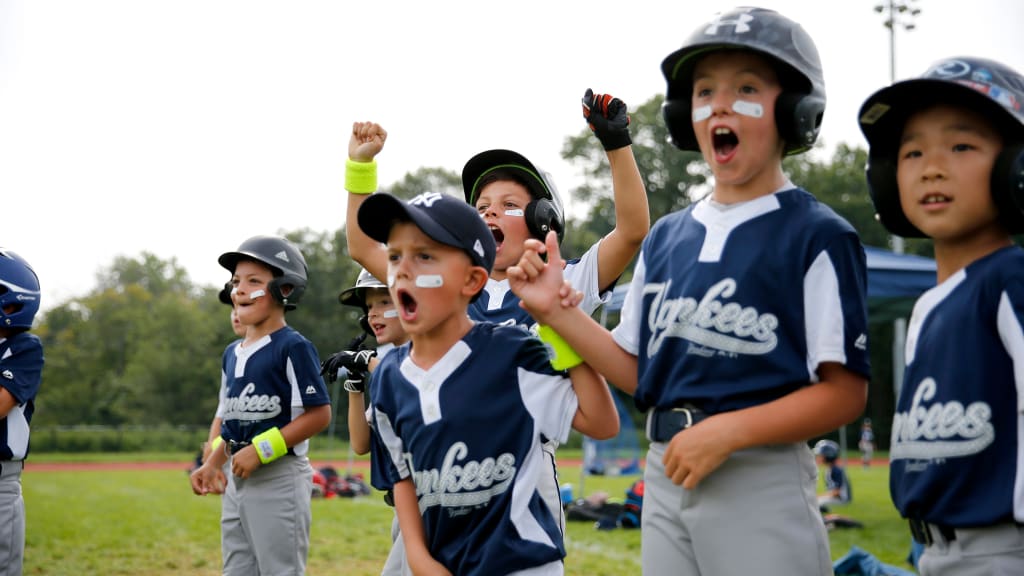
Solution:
(425, 199)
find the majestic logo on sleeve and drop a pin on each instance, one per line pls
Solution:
(249, 407)
(937, 431)
(710, 322)
(461, 485)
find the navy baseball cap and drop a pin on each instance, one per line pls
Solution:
(445, 219)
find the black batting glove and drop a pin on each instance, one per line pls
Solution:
(355, 384)
(355, 362)
(330, 367)
(608, 118)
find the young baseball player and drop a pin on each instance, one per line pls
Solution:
(743, 333)
(380, 318)
(946, 161)
(837, 483)
(274, 401)
(462, 409)
(518, 200)
(21, 367)
(866, 443)
(236, 326)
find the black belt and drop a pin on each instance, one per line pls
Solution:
(664, 423)
(924, 532)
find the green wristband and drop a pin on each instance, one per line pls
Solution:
(361, 177)
(217, 443)
(270, 445)
(563, 357)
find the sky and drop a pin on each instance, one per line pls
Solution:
(180, 128)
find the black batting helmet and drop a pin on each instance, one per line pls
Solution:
(827, 449)
(544, 213)
(985, 86)
(801, 105)
(287, 263)
(356, 295)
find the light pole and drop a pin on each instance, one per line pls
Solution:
(898, 14)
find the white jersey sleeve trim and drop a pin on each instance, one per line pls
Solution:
(1012, 336)
(627, 333)
(392, 443)
(823, 315)
(551, 401)
(583, 276)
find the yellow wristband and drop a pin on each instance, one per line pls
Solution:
(270, 445)
(361, 177)
(217, 443)
(563, 357)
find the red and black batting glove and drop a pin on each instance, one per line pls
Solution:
(608, 118)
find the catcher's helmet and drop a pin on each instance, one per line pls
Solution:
(828, 449)
(544, 213)
(19, 291)
(801, 105)
(984, 86)
(356, 295)
(282, 257)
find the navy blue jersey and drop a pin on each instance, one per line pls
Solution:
(956, 456)
(468, 433)
(735, 306)
(268, 383)
(497, 303)
(21, 370)
(836, 479)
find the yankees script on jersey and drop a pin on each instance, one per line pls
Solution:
(21, 366)
(468, 433)
(747, 304)
(498, 304)
(268, 384)
(963, 382)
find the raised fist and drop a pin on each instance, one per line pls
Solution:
(608, 118)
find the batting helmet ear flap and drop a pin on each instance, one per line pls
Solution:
(885, 194)
(1008, 187)
(542, 217)
(679, 121)
(798, 117)
(364, 323)
(291, 299)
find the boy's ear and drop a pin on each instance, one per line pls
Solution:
(476, 279)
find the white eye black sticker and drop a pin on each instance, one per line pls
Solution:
(745, 108)
(429, 281)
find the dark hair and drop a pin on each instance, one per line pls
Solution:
(510, 175)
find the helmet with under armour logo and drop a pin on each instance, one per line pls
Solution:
(801, 105)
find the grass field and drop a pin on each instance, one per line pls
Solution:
(148, 522)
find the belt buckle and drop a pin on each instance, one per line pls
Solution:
(689, 417)
(921, 532)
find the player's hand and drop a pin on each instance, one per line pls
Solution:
(696, 452)
(537, 283)
(356, 362)
(608, 117)
(366, 141)
(245, 462)
(207, 480)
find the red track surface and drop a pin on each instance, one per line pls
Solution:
(31, 466)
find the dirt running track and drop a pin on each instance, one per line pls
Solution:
(31, 466)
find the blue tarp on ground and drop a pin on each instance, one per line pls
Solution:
(894, 283)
